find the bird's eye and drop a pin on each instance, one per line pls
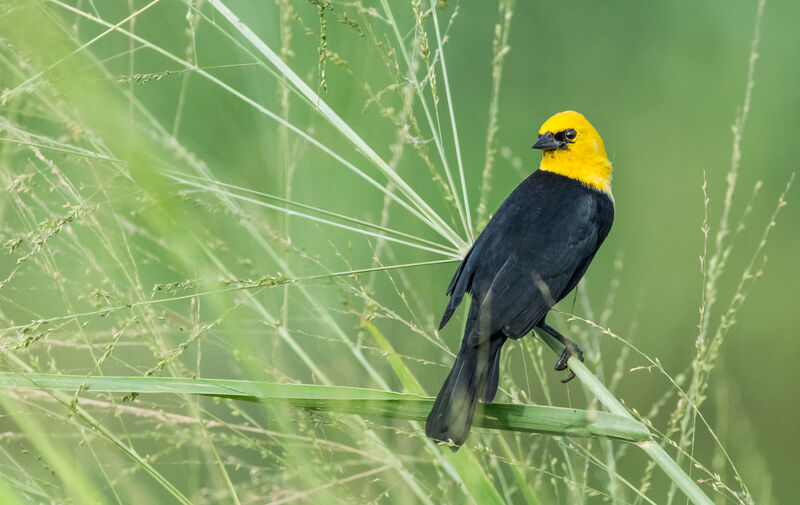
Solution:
(570, 134)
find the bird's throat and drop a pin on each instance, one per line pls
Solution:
(595, 172)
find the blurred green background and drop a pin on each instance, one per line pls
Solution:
(662, 83)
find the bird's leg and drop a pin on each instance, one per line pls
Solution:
(570, 348)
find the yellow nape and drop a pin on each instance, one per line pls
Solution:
(584, 158)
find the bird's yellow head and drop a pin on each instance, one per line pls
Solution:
(573, 148)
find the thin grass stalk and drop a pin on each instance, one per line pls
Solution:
(30, 488)
(411, 484)
(536, 357)
(704, 361)
(371, 435)
(110, 249)
(49, 143)
(290, 212)
(717, 262)
(287, 160)
(197, 179)
(282, 331)
(75, 483)
(437, 139)
(84, 46)
(431, 216)
(417, 213)
(251, 229)
(500, 48)
(673, 470)
(454, 128)
(92, 422)
(519, 477)
(591, 458)
(422, 46)
(610, 464)
(397, 150)
(264, 282)
(709, 347)
(674, 382)
(191, 55)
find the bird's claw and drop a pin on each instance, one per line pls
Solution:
(561, 364)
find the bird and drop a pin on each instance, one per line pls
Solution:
(531, 254)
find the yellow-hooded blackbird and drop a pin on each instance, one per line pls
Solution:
(531, 254)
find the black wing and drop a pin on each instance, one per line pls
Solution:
(532, 253)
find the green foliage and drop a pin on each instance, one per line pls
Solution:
(209, 203)
(362, 402)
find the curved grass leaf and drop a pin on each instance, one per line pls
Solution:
(362, 402)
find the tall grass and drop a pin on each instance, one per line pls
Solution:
(186, 322)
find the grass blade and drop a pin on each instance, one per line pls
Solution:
(431, 220)
(325, 110)
(448, 94)
(436, 134)
(196, 181)
(655, 451)
(289, 212)
(363, 402)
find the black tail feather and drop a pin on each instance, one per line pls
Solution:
(493, 380)
(474, 375)
(448, 311)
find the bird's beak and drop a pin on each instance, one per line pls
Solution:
(546, 142)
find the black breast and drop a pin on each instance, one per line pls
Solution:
(531, 254)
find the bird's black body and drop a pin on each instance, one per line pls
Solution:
(532, 254)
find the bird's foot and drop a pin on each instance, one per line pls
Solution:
(570, 348)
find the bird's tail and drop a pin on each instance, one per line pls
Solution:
(475, 375)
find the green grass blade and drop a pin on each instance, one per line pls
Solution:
(328, 113)
(433, 125)
(474, 478)
(433, 220)
(655, 451)
(466, 465)
(363, 402)
(454, 128)
(7, 494)
(76, 481)
(289, 212)
(214, 185)
(519, 475)
(405, 375)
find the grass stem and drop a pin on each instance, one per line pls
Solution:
(655, 451)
